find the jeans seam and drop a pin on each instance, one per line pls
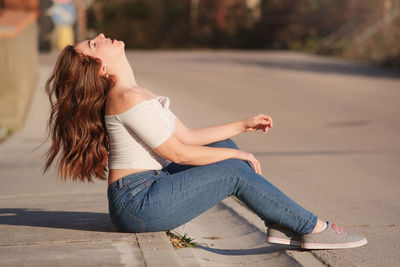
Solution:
(116, 213)
(134, 217)
(186, 192)
(288, 211)
(205, 184)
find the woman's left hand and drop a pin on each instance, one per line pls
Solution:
(258, 122)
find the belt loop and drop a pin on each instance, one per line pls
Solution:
(120, 183)
(158, 172)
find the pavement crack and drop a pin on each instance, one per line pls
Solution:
(141, 251)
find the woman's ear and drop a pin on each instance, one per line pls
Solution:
(103, 70)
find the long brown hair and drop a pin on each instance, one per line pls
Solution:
(77, 94)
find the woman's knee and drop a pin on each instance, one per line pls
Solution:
(237, 165)
(228, 143)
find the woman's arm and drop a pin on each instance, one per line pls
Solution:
(176, 151)
(217, 133)
(164, 142)
(208, 135)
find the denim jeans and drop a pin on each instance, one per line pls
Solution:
(158, 200)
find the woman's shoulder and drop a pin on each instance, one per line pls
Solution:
(122, 100)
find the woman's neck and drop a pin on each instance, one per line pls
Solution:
(124, 75)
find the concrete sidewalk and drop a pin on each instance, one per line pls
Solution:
(334, 149)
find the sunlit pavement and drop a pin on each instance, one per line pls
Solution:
(334, 149)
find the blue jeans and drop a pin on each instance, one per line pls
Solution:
(158, 200)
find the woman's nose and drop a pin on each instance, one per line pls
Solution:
(101, 36)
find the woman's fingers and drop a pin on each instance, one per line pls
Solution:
(256, 164)
(259, 122)
(258, 167)
(265, 122)
(268, 121)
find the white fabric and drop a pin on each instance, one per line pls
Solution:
(134, 133)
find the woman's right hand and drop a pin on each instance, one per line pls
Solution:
(250, 158)
(259, 122)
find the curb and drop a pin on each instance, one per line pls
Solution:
(157, 250)
(304, 258)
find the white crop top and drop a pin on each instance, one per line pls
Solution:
(134, 133)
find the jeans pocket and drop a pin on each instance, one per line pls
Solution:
(137, 194)
(129, 185)
(125, 221)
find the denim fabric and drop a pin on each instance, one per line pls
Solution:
(158, 200)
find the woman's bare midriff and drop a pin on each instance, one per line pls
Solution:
(115, 175)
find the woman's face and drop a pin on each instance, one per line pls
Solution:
(107, 50)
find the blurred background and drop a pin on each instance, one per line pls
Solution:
(357, 29)
(363, 30)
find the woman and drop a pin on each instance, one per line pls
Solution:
(160, 173)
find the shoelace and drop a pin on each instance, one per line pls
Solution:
(338, 230)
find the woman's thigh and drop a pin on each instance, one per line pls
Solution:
(176, 198)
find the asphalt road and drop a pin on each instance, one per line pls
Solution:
(334, 149)
(335, 143)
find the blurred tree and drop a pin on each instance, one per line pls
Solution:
(323, 26)
(174, 30)
(222, 24)
(369, 31)
(143, 24)
(81, 24)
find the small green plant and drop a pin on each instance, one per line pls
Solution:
(5, 133)
(179, 241)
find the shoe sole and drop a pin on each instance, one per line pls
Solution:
(334, 246)
(282, 241)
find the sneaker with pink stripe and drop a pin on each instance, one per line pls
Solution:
(333, 237)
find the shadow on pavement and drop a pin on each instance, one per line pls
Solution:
(87, 221)
(250, 251)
